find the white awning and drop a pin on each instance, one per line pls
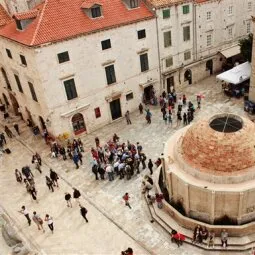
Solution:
(230, 52)
(236, 75)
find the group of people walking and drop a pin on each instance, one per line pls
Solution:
(51, 182)
(168, 103)
(37, 219)
(73, 151)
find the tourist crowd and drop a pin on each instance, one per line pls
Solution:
(115, 159)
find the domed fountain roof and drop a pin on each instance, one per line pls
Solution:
(224, 143)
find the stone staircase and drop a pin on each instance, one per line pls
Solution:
(235, 244)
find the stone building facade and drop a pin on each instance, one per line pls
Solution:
(165, 43)
(77, 81)
(195, 37)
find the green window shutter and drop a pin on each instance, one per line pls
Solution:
(185, 9)
(166, 14)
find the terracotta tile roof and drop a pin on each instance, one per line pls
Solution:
(26, 15)
(4, 17)
(164, 3)
(61, 19)
(89, 3)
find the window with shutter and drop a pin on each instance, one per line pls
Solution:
(110, 74)
(167, 39)
(186, 33)
(32, 90)
(23, 60)
(166, 14)
(141, 34)
(106, 44)
(9, 54)
(187, 55)
(18, 83)
(63, 57)
(96, 12)
(70, 89)
(169, 61)
(185, 9)
(144, 62)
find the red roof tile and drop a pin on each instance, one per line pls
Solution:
(26, 15)
(4, 17)
(61, 19)
(165, 3)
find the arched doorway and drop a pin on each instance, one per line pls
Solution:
(188, 76)
(78, 124)
(6, 100)
(6, 79)
(15, 104)
(209, 66)
(42, 123)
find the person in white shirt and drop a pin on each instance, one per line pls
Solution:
(49, 221)
(26, 214)
(109, 171)
(116, 167)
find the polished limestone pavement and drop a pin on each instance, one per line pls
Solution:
(112, 227)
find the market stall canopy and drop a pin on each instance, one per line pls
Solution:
(236, 75)
(230, 52)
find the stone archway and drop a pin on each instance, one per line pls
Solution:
(6, 78)
(15, 104)
(78, 124)
(6, 100)
(188, 76)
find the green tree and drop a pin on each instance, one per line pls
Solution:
(246, 47)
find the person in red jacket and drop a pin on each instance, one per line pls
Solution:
(126, 199)
(176, 237)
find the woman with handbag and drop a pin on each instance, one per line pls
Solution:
(38, 221)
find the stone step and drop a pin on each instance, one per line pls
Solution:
(236, 244)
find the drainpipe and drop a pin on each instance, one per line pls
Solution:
(195, 31)
(159, 61)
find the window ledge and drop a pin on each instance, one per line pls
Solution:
(130, 9)
(106, 49)
(108, 62)
(100, 17)
(114, 83)
(146, 71)
(64, 62)
(143, 50)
